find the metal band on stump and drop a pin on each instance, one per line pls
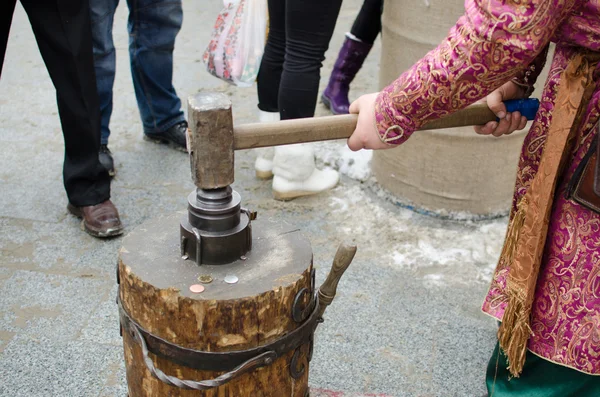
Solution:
(210, 140)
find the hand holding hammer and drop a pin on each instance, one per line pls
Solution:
(212, 145)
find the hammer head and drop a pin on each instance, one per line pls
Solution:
(210, 140)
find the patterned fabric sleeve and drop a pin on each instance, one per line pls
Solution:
(491, 43)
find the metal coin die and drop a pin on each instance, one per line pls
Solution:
(216, 229)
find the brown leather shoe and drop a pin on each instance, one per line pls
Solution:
(100, 220)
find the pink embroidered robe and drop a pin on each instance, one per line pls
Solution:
(494, 41)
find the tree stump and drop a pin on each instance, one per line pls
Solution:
(154, 291)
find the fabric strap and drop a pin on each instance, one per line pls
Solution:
(526, 236)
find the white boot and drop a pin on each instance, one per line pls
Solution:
(264, 161)
(296, 174)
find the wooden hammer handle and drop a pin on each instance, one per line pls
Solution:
(249, 136)
(343, 257)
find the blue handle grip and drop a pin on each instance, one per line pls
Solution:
(527, 107)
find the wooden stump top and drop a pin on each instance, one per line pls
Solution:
(280, 255)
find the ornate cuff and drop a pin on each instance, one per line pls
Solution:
(393, 127)
(393, 135)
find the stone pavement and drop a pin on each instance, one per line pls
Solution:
(406, 321)
(331, 393)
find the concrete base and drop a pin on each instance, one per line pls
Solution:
(451, 173)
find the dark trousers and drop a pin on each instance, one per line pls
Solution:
(299, 34)
(367, 24)
(63, 34)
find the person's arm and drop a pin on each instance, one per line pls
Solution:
(493, 42)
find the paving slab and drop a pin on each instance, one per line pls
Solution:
(46, 367)
(49, 306)
(103, 324)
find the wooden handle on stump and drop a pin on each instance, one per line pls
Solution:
(249, 136)
(343, 257)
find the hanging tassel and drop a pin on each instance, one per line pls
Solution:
(514, 330)
(512, 234)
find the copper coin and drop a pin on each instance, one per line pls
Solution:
(197, 288)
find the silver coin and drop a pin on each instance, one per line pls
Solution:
(231, 279)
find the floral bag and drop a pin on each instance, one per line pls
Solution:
(238, 42)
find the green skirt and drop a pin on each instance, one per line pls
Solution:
(540, 378)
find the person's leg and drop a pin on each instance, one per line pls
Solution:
(102, 14)
(271, 66)
(153, 26)
(307, 39)
(263, 165)
(354, 51)
(540, 378)
(62, 30)
(367, 25)
(269, 77)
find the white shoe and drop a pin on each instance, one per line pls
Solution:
(263, 166)
(264, 160)
(296, 174)
(319, 181)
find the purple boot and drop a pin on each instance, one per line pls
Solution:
(349, 61)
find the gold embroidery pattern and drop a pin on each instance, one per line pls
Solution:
(494, 41)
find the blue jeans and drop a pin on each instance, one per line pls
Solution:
(152, 26)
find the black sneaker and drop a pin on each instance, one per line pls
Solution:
(105, 157)
(174, 136)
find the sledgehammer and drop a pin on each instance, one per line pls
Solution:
(212, 137)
